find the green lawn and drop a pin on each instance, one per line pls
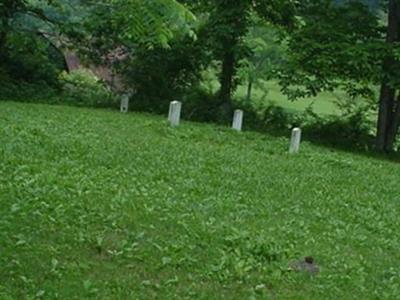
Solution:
(99, 205)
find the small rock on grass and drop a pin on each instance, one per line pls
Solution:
(307, 264)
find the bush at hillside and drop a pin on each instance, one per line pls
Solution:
(83, 88)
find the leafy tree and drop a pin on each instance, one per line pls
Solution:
(161, 74)
(127, 24)
(229, 22)
(389, 102)
(347, 46)
(267, 55)
(29, 32)
(8, 10)
(28, 16)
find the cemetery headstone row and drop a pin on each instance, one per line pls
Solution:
(174, 116)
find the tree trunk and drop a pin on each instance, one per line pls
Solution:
(3, 31)
(389, 110)
(227, 80)
(386, 101)
(249, 90)
(394, 125)
(8, 9)
(3, 38)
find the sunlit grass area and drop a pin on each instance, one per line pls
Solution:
(324, 103)
(96, 204)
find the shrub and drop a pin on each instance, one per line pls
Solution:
(11, 90)
(161, 75)
(353, 130)
(203, 105)
(83, 88)
(31, 58)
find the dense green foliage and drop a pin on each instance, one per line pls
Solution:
(34, 34)
(31, 59)
(100, 205)
(130, 24)
(161, 74)
(338, 46)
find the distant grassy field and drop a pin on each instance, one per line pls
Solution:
(99, 205)
(324, 103)
(270, 93)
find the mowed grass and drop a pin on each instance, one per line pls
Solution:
(99, 205)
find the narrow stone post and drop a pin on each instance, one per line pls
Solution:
(237, 120)
(295, 141)
(125, 103)
(174, 114)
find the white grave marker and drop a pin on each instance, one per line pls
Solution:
(174, 114)
(295, 141)
(237, 120)
(125, 103)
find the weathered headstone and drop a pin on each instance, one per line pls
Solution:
(295, 141)
(237, 120)
(174, 114)
(125, 103)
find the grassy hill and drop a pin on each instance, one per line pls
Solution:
(99, 205)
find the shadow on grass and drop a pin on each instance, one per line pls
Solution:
(366, 149)
(347, 135)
